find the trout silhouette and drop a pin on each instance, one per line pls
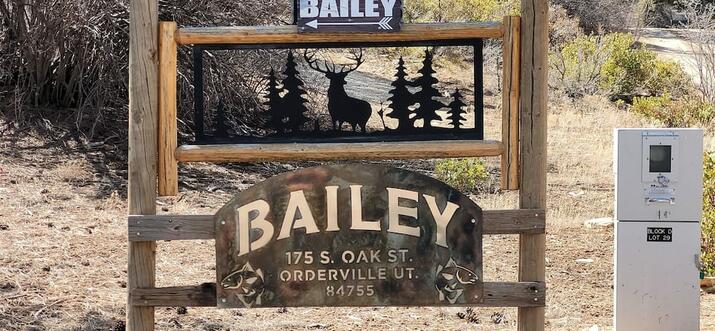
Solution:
(248, 284)
(451, 279)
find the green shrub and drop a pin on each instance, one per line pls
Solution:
(627, 70)
(633, 70)
(462, 174)
(613, 65)
(708, 226)
(684, 112)
(659, 108)
(669, 78)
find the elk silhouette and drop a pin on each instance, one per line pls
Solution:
(342, 107)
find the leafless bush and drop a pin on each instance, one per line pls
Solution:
(63, 53)
(576, 67)
(563, 26)
(72, 56)
(701, 36)
(598, 15)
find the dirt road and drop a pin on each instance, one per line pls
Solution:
(670, 44)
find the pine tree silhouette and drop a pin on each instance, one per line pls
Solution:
(294, 100)
(221, 128)
(274, 103)
(456, 110)
(401, 99)
(429, 106)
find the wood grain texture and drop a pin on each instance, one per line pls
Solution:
(514, 221)
(533, 118)
(203, 295)
(519, 294)
(510, 103)
(169, 227)
(143, 124)
(523, 294)
(288, 34)
(168, 170)
(337, 151)
(201, 227)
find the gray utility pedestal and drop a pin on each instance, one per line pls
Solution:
(659, 189)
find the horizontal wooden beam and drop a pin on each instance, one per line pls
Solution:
(338, 151)
(171, 227)
(201, 227)
(496, 294)
(519, 221)
(288, 34)
(203, 295)
(514, 294)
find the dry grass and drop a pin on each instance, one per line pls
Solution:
(63, 247)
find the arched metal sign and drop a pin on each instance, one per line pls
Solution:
(349, 235)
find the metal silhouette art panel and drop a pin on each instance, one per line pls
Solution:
(349, 235)
(414, 106)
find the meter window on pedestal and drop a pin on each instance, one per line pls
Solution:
(660, 158)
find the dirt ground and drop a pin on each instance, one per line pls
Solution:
(63, 237)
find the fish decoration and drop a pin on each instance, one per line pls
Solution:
(248, 283)
(451, 279)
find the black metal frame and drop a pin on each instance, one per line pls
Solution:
(476, 134)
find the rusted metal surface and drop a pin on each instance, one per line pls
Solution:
(349, 235)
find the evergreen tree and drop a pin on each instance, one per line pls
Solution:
(274, 103)
(294, 100)
(456, 110)
(401, 99)
(221, 128)
(429, 106)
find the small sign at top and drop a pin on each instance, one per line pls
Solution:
(349, 15)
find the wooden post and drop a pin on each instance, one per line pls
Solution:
(533, 109)
(168, 170)
(510, 103)
(143, 110)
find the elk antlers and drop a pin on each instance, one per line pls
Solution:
(356, 56)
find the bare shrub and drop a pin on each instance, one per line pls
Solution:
(72, 56)
(563, 27)
(598, 15)
(63, 53)
(701, 36)
(576, 67)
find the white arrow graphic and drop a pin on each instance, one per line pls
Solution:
(383, 23)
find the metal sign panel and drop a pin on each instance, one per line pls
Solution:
(414, 106)
(349, 15)
(349, 235)
(660, 234)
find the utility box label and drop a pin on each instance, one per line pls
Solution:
(349, 15)
(660, 234)
(349, 235)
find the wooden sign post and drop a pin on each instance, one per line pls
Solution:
(349, 15)
(345, 235)
(241, 280)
